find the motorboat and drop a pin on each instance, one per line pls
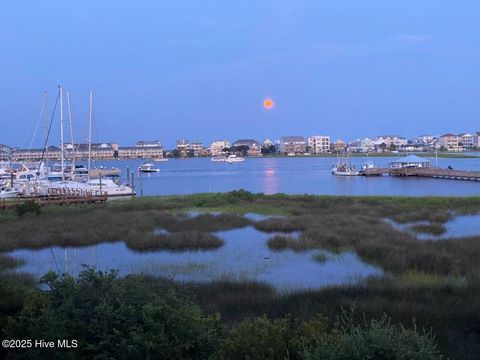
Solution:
(234, 158)
(10, 193)
(148, 168)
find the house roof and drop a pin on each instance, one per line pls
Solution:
(292, 139)
(411, 159)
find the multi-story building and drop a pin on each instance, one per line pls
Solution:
(140, 152)
(5, 152)
(364, 145)
(51, 153)
(292, 145)
(390, 141)
(476, 140)
(466, 141)
(338, 146)
(319, 144)
(198, 149)
(155, 143)
(448, 142)
(254, 147)
(183, 147)
(217, 147)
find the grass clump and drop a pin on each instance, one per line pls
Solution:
(178, 241)
(432, 228)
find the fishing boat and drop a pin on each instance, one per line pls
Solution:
(343, 167)
(148, 168)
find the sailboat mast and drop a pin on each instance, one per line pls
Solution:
(90, 135)
(72, 170)
(45, 113)
(62, 145)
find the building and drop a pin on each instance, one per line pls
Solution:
(449, 142)
(410, 161)
(466, 141)
(140, 152)
(254, 147)
(391, 142)
(476, 140)
(339, 146)
(198, 149)
(5, 152)
(183, 147)
(292, 145)
(319, 144)
(425, 139)
(100, 151)
(364, 145)
(51, 153)
(217, 147)
(148, 144)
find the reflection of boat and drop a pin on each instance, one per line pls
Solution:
(343, 168)
(218, 158)
(148, 168)
(160, 159)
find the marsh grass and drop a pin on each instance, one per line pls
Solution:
(432, 228)
(178, 241)
(137, 228)
(9, 262)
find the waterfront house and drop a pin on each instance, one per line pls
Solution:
(217, 147)
(198, 149)
(148, 144)
(476, 140)
(254, 147)
(389, 142)
(339, 146)
(292, 145)
(183, 147)
(449, 142)
(319, 144)
(5, 152)
(140, 152)
(466, 141)
(51, 153)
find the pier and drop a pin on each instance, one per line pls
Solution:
(437, 173)
(58, 197)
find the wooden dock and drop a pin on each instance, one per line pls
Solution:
(436, 173)
(57, 197)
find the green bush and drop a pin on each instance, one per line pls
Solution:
(29, 206)
(284, 338)
(113, 318)
(377, 339)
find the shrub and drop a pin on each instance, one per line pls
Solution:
(29, 206)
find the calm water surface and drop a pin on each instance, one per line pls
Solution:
(308, 175)
(244, 256)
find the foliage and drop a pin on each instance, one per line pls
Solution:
(29, 206)
(130, 318)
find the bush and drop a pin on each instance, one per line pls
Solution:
(377, 339)
(29, 206)
(129, 318)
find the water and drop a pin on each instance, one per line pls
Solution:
(307, 175)
(460, 226)
(244, 256)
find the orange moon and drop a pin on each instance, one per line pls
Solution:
(268, 103)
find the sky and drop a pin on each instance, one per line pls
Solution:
(201, 69)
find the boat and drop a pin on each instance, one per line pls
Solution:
(148, 168)
(10, 193)
(234, 158)
(160, 159)
(343, 167)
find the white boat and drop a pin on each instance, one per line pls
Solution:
(108, 186)
(343, 167)
(160, 159)
(10, 193)
(148, 168)
(234, 158)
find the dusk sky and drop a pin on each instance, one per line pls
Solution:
(201, 69)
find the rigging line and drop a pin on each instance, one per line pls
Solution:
(36, 126)
(48, 132)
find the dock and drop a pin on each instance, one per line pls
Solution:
(437, 173)
(58, 197)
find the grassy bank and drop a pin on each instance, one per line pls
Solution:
(435, 283)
